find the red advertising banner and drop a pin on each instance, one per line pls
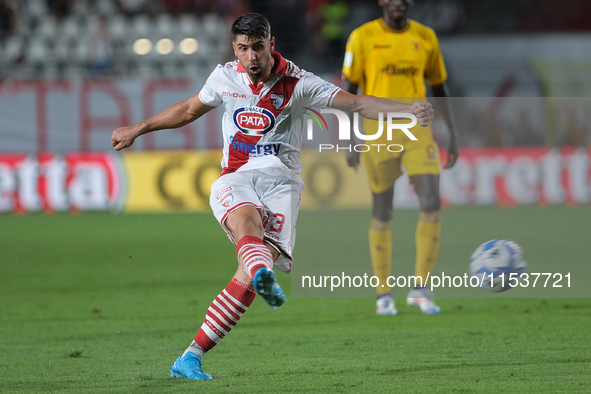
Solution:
(511, 176)
(52, 183)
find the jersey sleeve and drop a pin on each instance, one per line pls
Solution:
(435, 72)
(210, 94)
(317, 91)
(353, 62)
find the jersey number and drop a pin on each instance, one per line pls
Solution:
(277, 222)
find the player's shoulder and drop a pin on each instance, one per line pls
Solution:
(228, 68)
(306, 80)
(299, 76)
(223, 71)
(423, 31)
(294, 71)
(228, 72)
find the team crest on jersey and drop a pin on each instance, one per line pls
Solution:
(277, 100)
(227, 201)
(224, 192)
(254, 120)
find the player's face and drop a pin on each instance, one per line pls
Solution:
(254, 54)
(396, 9)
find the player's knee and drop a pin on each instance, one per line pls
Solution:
(383, 206)
(248, 224)
(383, 209)
(241, 225)
(430, 202)
(383, 214)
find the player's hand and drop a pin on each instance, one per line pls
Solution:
(424, 112)
(124, 137)
(353, 159)
(453, 152)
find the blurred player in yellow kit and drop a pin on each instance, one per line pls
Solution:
(392, 57)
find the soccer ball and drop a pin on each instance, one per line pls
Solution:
(498, 265)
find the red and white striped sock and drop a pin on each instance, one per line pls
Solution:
(253, 254)
(223, 313)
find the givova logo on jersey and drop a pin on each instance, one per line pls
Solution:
(254, 120)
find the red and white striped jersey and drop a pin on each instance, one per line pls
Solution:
(264, 123)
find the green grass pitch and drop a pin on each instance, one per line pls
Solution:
(104, 303)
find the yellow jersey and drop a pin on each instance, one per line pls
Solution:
(393, 63)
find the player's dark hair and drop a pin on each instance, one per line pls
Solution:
(252, 25)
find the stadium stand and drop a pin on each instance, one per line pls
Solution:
(51, 39)
(64, 39)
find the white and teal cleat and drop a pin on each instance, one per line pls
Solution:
(266, 285)
(421, 298)
(188, 367)
(385, 305)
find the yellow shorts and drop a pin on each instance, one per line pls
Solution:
(384, 167)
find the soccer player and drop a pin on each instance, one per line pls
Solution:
(392, 57)
(256, 198)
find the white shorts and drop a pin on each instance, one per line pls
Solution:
(276, 197)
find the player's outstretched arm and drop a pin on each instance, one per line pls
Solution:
(371, 106)
(173, 117)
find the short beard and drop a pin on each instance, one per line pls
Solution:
(261, 72)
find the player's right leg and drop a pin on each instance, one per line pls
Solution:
(427, 240)
(382, 172)
(422, 163)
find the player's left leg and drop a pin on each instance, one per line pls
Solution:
(383, 168)
(222, 315)
(427, 238)
(254, 255)
(238, 204)
(380, 248)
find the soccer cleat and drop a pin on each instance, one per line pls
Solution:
(385, 305)
(188, 367)
(421, 298)
(266, 285)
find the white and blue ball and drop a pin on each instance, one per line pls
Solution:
(497, 257)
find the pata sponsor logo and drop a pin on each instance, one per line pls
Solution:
(254, 120)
